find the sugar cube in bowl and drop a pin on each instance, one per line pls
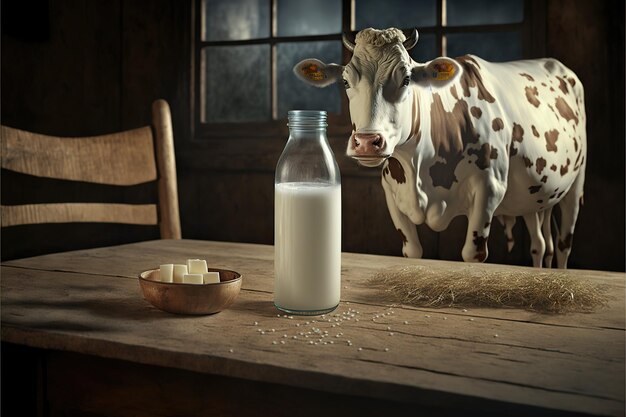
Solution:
(200, 295)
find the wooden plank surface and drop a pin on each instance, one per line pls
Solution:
(89, 302)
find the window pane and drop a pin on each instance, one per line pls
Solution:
(294, 94)
(482, 12)
(395, 13)
(228, 20)
(237, 83)
(319, 17)
(426, 48)
(494, 46)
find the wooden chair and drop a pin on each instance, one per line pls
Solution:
(122, 159)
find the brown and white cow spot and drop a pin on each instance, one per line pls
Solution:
(517, 133)
(552, 110)
(534, 189)
(566, 243)
(541, 164)
(527, 162)
(576, 164)
(527, 76)
(451, 132)
(562, 85)
(453, 92)
(535, 131)
(484, 155)
(481, 247)
(553, 167)
(565, 110)
(472, 78)
(497, 124)
(551, 137)
(531, 96)
(575, 144)
(571, 81)
(476, 112)
(396, 171)
(544, 179)
(565, 168)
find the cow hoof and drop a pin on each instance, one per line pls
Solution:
(412, 251)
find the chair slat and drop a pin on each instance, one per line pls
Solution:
(125, 158)
(145, 214)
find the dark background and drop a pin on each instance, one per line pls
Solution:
(84, 67)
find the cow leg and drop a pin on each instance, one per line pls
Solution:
(537, 244)
(546, 227)
(570, 204)
(485, 201)
(508, 222)
(411, 246)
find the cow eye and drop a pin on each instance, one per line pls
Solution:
(406, 81)
(346, 84)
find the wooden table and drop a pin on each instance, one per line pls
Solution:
(103, 350)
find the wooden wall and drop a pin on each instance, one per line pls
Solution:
(100, 64)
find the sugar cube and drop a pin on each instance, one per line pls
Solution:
(211, 277)
(179, 272)
(196, 266)
(192, 278)
(166, 272)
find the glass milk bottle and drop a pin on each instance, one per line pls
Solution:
(307, 219)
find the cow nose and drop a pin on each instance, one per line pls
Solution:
(368, 144)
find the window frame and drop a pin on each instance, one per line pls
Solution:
(531, 28)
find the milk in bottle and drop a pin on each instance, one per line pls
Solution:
(307, 215)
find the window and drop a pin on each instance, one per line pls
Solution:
(246, 49)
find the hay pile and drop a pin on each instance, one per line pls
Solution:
(543, 291)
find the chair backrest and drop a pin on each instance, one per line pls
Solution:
(124, 159)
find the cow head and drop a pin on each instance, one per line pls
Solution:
(380, 81)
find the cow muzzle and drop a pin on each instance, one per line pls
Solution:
(367, 148)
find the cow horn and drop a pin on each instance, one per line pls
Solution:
(411, 41)
(347, 42)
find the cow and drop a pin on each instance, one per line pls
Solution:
(466, 137)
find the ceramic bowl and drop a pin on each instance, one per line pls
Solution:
(196, 299)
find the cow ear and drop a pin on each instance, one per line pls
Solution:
(437, 73)
(315, 72)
